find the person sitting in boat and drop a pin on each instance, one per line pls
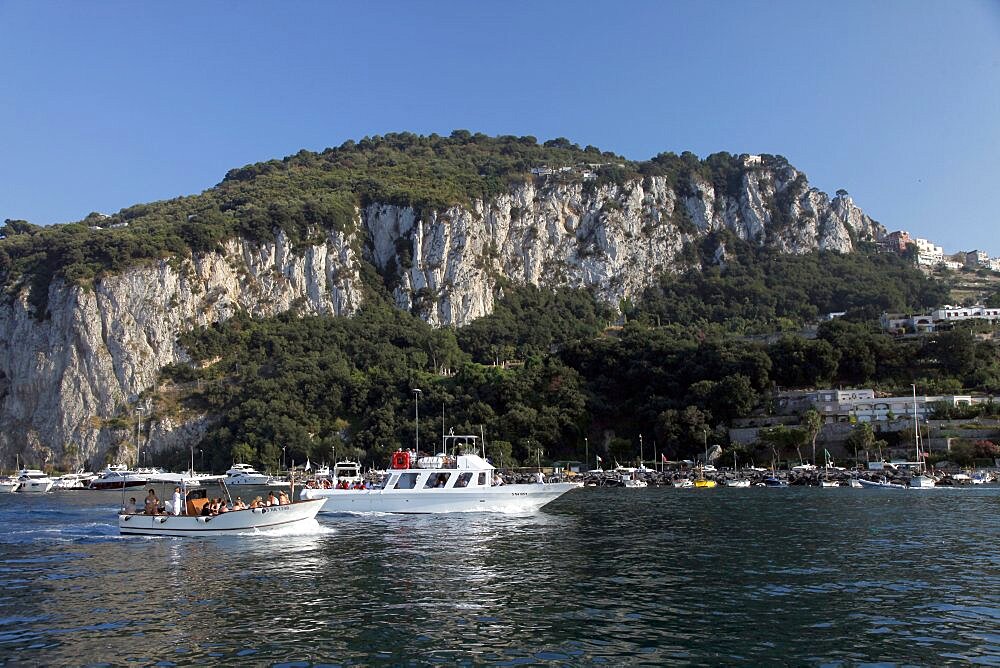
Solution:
(130, 507)
(497, 479)
(283, 499)
(223, 506)
(257, 503)
(152, 506)
(206, 510)
(272, 500)
(239, 505)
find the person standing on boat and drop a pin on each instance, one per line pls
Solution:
(177, 501)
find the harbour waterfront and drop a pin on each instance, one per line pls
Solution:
(797, 576)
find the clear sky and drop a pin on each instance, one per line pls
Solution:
(112, 103)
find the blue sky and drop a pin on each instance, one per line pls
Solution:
(107, 104)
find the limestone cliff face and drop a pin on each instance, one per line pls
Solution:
(67, 378)
(613, 239)
(70, 383)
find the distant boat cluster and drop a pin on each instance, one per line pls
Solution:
(805, 475)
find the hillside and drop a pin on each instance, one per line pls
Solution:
(439, 227)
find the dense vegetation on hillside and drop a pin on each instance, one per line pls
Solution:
(319, 385)
(759, 288)
(307, 193)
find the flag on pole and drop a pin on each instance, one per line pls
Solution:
(599, 458)
(663, 458)
(308, 465)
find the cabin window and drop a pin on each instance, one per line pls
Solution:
(463, 480)
(437, 480)
(406, 481)
(482, 479)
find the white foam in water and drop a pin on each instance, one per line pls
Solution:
(305, 528)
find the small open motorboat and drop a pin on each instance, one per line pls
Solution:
(188, 519)
(883, 483)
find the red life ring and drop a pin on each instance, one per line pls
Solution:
(400, 460)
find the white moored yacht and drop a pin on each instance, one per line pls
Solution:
(118, 476)
(343, 473)
(459, 479)
(78, 480)
(33, 480)
(244, 474)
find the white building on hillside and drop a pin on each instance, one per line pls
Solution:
(927, 253)
(930, 322)
(863, 406)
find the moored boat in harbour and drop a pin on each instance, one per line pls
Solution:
(245, 474)
(78, 480)
(34, 481)
(118, 476)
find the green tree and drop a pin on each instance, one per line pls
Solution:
(812, 421)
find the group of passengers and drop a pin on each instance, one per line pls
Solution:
(341, 484)
(217, 506)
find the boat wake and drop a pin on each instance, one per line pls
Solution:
(304, 528)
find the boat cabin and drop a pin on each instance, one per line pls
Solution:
(459, 465)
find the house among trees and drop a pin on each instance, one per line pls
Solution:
(863, 406)
(933, 321)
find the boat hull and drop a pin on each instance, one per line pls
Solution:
(875, 484)
(501, 498)
(35, 486)
(227, 524)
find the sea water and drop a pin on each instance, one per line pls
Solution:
(798, 576)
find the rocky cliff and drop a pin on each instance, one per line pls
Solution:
(71, 382)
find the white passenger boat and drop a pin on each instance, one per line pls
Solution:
(244, 474)
(33, 480)
(738, 482)
(459, 479)
(8, 484)
(119, 476)
(187, 519)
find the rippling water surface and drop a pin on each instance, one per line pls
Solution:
(615, 576)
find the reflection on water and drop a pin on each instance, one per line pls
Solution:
(662, 576)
